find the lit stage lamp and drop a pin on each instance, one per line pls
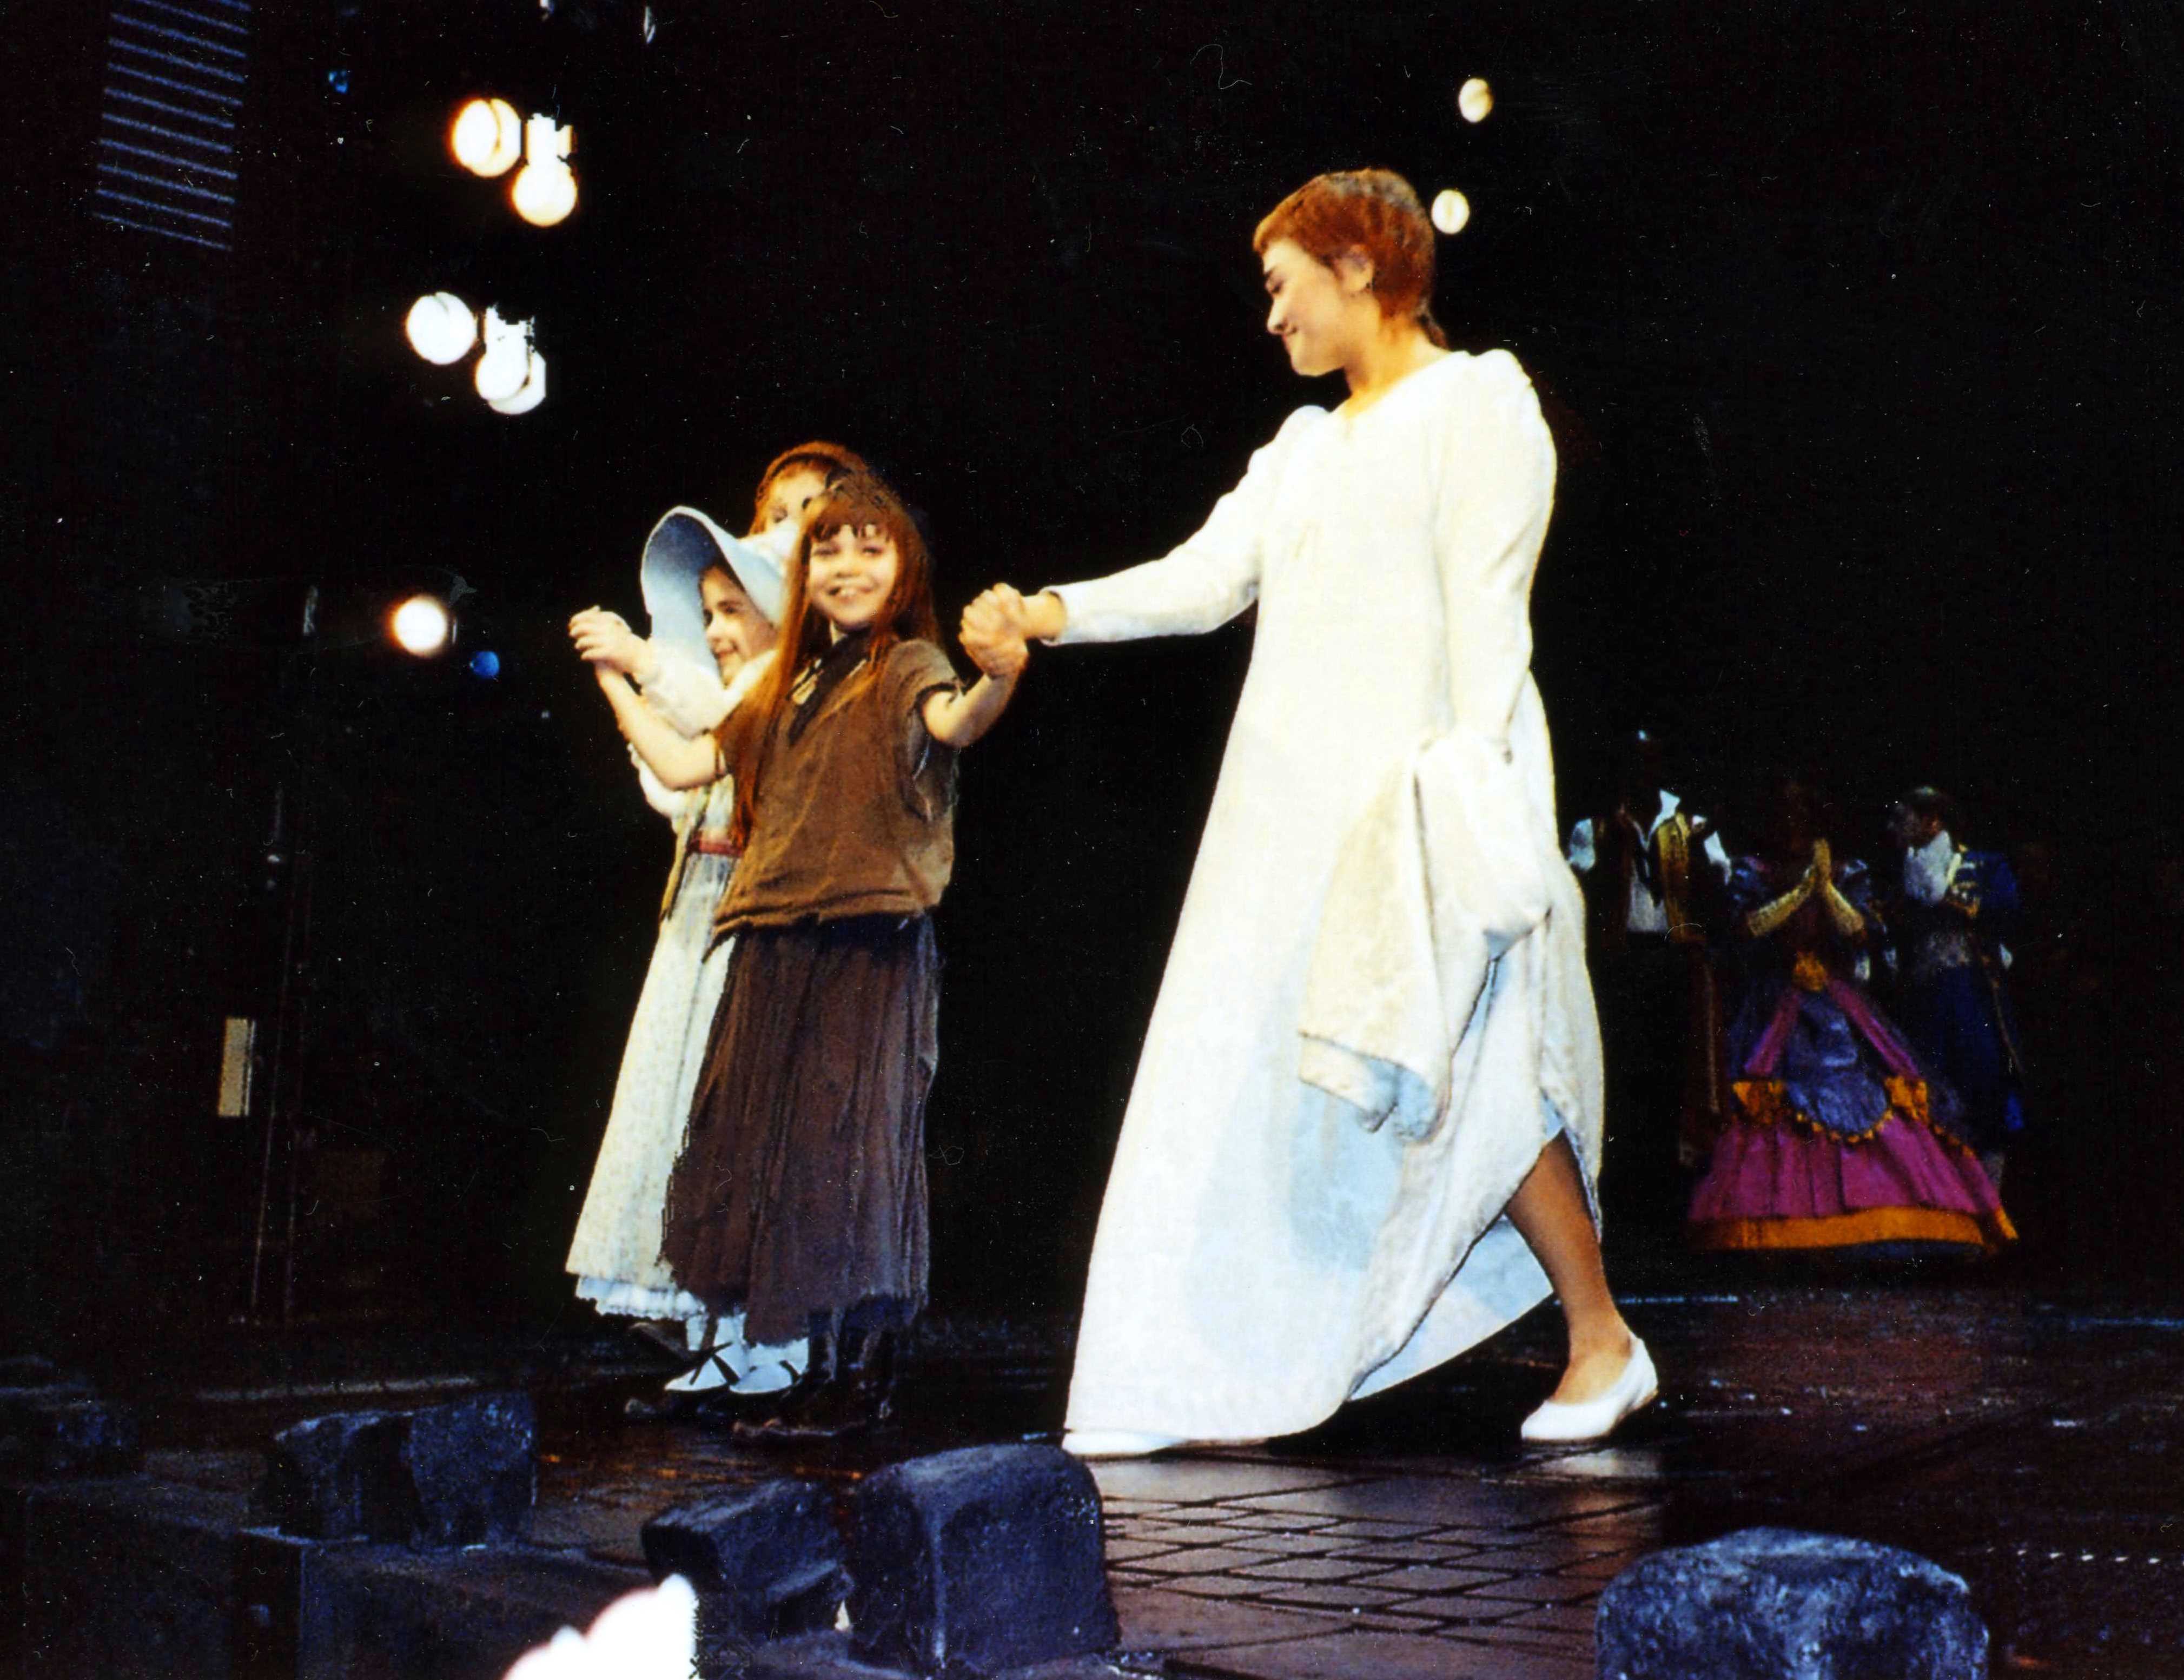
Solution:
(421, 626)
(441, 328)
(1451, 210)
(487, 137)
(545, 189)
(506, 363)
(530, 393)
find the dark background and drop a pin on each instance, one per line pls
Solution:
(1857, 324)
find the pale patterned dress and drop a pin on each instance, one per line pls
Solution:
(616, 1253)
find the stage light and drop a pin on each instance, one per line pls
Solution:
(487, 137)
(441, 327)
(545, 189)
(530, 393)
(544, 194)
(1474, 100)
(506, 363)
(1451, 210)
(421, 626)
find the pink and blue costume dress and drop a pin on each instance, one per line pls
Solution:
(1835, 1136)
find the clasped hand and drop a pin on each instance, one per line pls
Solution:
(994, 633)
(605, 640)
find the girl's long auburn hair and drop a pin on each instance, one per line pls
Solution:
(1373, 210)
(858, 502)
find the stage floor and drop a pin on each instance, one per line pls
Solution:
(2030, 1444)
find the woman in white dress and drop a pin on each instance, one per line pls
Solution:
(1366, 1121)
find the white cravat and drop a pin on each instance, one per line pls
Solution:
(1929, 869)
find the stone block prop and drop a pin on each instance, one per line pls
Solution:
(64, 1430)
(767, 1561)
(458, 1474)
(474, 1466)
(1773, 1604)
(338, 1477)
(978, 1562)
(388, 1613)
(128, 1579)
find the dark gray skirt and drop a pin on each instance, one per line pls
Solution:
(801, 1190)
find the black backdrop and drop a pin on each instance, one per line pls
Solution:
(1855, 324)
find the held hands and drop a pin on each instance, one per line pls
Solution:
(994, 633)
(607, 641)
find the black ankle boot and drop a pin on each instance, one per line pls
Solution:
(859, 1396)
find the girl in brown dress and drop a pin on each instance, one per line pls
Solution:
(800, 1199)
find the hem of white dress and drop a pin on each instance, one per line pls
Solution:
(629, 1300)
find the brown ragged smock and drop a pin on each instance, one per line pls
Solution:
(801, 1190)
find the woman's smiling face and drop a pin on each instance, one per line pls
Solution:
(1313, 308)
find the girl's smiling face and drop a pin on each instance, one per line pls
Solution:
(735, 629)
(850, 576)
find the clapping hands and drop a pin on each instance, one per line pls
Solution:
(994, 633)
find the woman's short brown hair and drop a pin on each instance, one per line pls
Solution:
(1373, 210)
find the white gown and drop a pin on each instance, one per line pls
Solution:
(1266, 1250)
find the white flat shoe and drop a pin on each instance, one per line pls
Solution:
(712, 1371)
(1595, 1419)
(1115, 1443)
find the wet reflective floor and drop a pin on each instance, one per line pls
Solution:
(2030, 1443)
(2031, 1446)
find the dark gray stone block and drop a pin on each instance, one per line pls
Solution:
(128, 1579)
(473, 1467)
(339, 1477)
(458, 1475)
(1772, 1604)
(389, 1613)
(767, 1562)
(975, 1561)
(62, 1431)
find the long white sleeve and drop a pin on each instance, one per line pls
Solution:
(1204, 583)
(1456, 859)
(1497, 490)
(690, 699)
(1487, 815)
(675, 804)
